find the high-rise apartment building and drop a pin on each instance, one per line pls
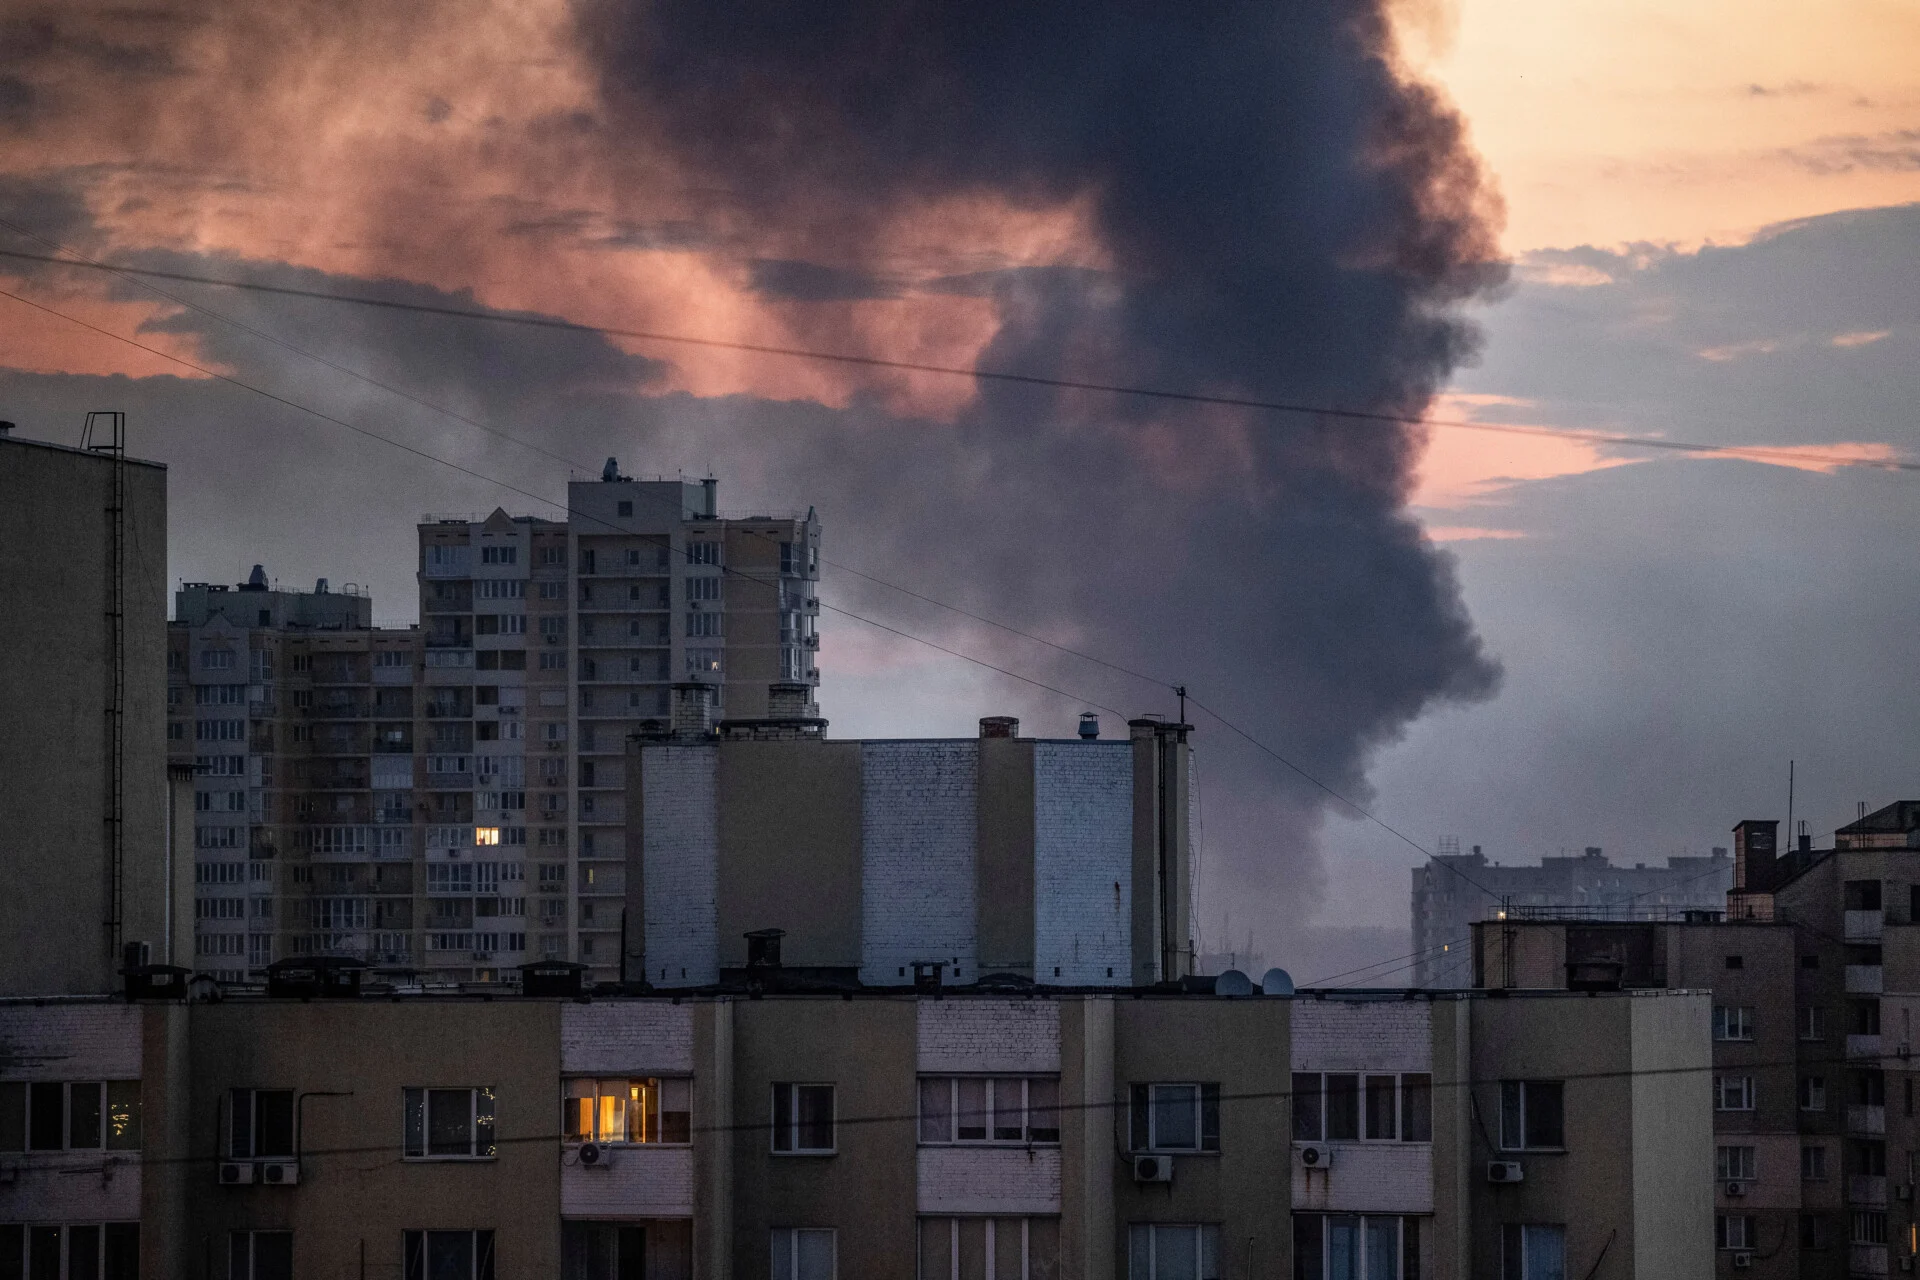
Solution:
(1452, 891)
(87, 830)
(450, 798)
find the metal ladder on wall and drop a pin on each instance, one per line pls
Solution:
(112, 427)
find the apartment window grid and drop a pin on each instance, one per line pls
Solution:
(650, 1110)
(1813, 1163)
(1533, 1251)
(1352, 1107)
(1734, 1164)
(1813, 1093)
(1174, 1117)
(1813, 1023)
(70, 1251)
(1009, 1110)
(260, 1255)
(1347, 1246)
(449, 1124)
(1732, 1022)
(803, 1119)
(804, 1253)
(1532, 1115)
(975, 1248)
(85, 1115)
(1173, 1251)
(1733, 1231)
(448, 1255)
(1733, 1093)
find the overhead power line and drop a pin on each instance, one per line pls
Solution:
(1760, 453)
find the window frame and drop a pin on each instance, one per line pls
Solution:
(115, 1242)
(1523, 1115)
(653, 1122)
(792, 1235)
(1412, 1109)
(793, 1123)
(1733, 1023)
(416, 1242)
(1724, 1234)
(1312, 1240)
(1811, 1093)
(1203, 1233)
(1813, 1154)
(1745, 1090)
(253, 1124)
(251, 1239)
(481, 1146)
(1513, 1246)
(1735, 1162)
(1144, 1117)
(115, 1104)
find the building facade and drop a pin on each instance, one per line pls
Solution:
(1050, 861)
(1453, 891)
(1151, 1135)
(87, 812)
(1815, 983)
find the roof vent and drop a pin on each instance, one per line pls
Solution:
(6, 429)
(320, 587)
(999, 726)
(258, 578)
(1089, 725)
(611, 471)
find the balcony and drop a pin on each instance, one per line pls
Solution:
(1864, 926)
(1867, 1260)
(1866, 1191)
(1863, 1047)
(1866, 1121)
(1865, 979)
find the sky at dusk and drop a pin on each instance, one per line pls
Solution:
(1697, 222)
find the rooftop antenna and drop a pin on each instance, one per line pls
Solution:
(1789, 799)
(1181, 690)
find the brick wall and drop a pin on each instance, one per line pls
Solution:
(70, 1042)
(1362, 1035)
(680, 859)
(998, 1180)
(626, 1037)
(918, 837)
(1368, 1177)
(628, 1183)
(1014, 1036)
(1082, 862)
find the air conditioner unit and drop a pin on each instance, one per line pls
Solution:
(1736, 1188)
(1741, 1261)
(1153, 1168)
(280, 1173)
(1505, 1171)
(1316, 1155)
(236, 1173)
(595, 1156)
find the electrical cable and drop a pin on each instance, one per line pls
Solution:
(1757, 452)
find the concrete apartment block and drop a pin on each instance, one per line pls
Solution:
(1054, 862)
(85, 825)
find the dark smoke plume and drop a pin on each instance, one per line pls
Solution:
(1281, 215)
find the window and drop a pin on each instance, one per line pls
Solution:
(1175, 1117)
(1531, 1115)
(220, 730)
(703, 661)
(448, 1255)
(1863, 1017)
(982, 1109)
(94, 1251)
(1870, 1227)
(1867, 1156)
(82, 1116)
(216, 660)
(1813, 1093)
(1813, 1231)
(803, 1119)
(1732, 1231)
(449, 1124)
(1329, 1108)
(260, 1255)
(704, 588)
(703, 625)
(1861, 895)
(1338, 1246)
(703, 553)
(553, 555)
(803, 1253)
(1736, 962)
(1733, 1164)
(1809, 962)
(646, 1110)
(1533, 1251)
(1732, 1022)
(1173, 1251)
(1733, 1093)
(499, 555)
(1003, 1247)
(1813, 1022)
(1813, 1163)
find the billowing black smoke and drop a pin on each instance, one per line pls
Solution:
(1282, 216)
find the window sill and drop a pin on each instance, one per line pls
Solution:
(1007, 1145)
(1173, 1151)
(448, 1159)
(1533, 1151)
(574, 1144)
(810, 1152)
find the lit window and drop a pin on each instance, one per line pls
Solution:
(486, 835)
(649, 1110)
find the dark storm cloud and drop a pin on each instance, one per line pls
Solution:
(1280, 216)
(811, 282)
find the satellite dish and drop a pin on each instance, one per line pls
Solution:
(1278, 982)
(1233, 983)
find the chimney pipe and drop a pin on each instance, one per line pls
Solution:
(1089, 725)
(788, 700)
(999, 726)
(692, 711)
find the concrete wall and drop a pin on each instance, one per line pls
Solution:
(1003, 824)
(790, 848)
(356, 1192)
(64, 1043)
(55, 562)
(1673, 1136)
